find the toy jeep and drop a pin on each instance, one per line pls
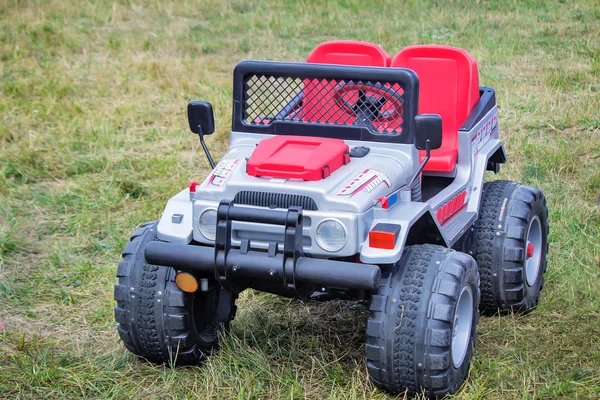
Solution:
(350, 176)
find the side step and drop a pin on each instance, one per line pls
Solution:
(454, 229)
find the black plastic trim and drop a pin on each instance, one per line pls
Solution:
(274, 200)
(359, 151)
(487, 101)
(259, 265)
(405, 77)
(309, 129)
(499, 156)
(390, 228)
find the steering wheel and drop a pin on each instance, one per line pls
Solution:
(370, 102)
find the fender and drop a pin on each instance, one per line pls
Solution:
(493, 152)
(417, 225)
(176, 222)
(417, 222)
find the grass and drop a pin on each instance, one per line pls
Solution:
(93, 141)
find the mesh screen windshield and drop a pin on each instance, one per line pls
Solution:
(372, 104)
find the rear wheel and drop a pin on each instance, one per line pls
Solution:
(156, 319)
(510, 246)
(422, 326)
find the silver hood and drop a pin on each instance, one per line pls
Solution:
(353, 188)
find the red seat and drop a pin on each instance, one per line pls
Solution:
(349, 52)
(319, 104)
(449, 86)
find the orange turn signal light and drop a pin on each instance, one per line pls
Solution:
(384, 236)
(186, 282)
(381, 240)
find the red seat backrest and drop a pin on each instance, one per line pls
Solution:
(448, 86)
(349, 52)
(318, 100)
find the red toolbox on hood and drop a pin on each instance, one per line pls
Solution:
(300, 157)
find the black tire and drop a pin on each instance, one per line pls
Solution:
(508, 209)
(412, 316)
(156, 319)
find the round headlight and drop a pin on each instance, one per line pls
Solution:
(331, 235)
(208, 224)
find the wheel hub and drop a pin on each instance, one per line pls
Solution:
(533, 250)
(530, 250)
(461, 329)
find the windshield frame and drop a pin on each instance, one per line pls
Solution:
(406, 78)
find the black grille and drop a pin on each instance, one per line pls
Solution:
(375, 105)
(275, 200)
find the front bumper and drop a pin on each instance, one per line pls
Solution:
(261, 234)
(290, 266)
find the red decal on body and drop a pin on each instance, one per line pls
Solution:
(221, 172)
(367, 180)
(451, 208)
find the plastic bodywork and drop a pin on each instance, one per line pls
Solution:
(352, 210)
(359, 212)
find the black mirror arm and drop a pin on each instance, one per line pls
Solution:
(420, 169)
(205, 147)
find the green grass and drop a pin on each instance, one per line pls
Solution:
(93, 141)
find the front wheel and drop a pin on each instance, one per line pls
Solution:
(422, 326)
(156, 319)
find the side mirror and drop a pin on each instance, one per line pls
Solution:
(201, 117)
(428, 127)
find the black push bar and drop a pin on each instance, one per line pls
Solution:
(255, 264)
(289, 266)
(247, 214)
